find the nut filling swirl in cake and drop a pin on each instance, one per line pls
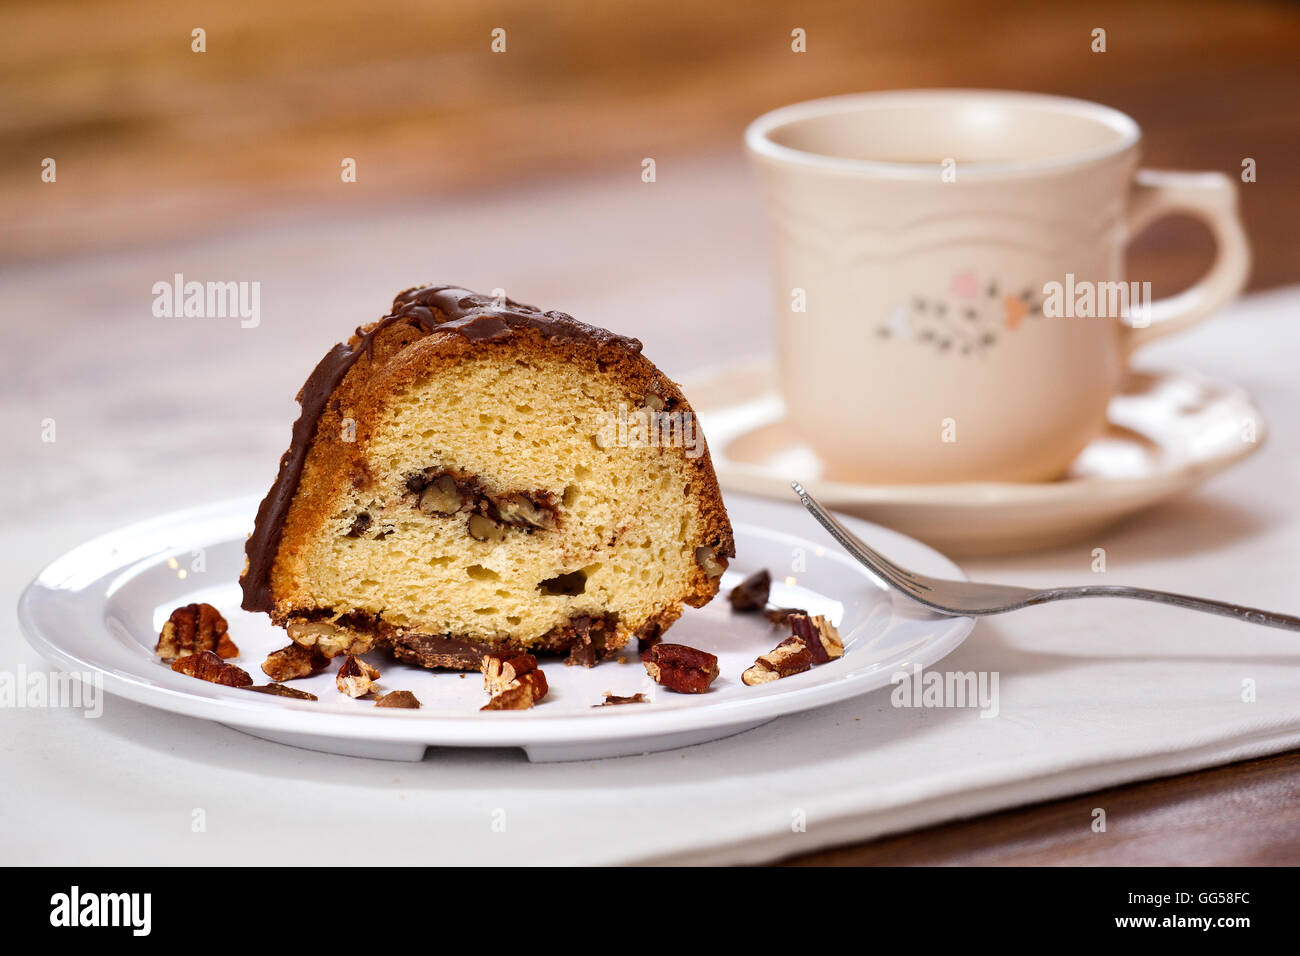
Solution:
(472, 475)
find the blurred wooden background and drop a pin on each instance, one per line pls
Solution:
(154, 142)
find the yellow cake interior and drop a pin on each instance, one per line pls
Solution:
(528, 423)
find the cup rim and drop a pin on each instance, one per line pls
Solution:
(760, 144)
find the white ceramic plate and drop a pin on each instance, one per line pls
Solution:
(1168, 430)
(99, 608)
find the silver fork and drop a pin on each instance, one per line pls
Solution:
(964, 598)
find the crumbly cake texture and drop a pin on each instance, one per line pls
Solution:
(452, 491)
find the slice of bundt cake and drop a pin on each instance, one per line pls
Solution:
(471, 475)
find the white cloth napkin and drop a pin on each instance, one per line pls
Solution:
(155, 414)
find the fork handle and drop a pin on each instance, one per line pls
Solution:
(1252, 614)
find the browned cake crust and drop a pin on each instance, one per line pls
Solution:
(428, 331)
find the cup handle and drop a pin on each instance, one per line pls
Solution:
(1211, 197)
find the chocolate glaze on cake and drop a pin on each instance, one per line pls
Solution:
(430, 309)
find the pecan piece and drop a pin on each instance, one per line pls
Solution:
(521, 511)
(398, 698)
(781, 615)
(482, 528)
(520, 694)
(441, 496)
(205, 665)
(683, 669)
(280, 690)
(192, 629)
(356, 678)
(501, 670)
(708, 560)
(819, 634)
(292, 662)
(751, 594)
(613, 700)
(330, 639)
(789, 657)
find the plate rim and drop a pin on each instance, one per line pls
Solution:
(477, 729)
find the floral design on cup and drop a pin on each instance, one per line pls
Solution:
(968, 321)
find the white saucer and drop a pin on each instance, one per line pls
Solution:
(97, 611)
(1169, 430)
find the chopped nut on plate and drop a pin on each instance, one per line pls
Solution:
(294, 661)
(205, 665)
(514, 681)
(280, 690)
(819, 634)
(815, 641)
(356, 678)
(398, 698)
(751, 594)
(500, 670)
(613, 700)
(194, 628)
(520, 694)
(683, 669)
(781, 615)
(789, 657)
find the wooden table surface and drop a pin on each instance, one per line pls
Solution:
(157, 145)
(1244, 814)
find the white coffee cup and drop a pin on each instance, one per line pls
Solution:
(920, 238)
